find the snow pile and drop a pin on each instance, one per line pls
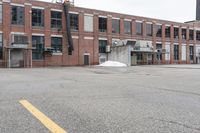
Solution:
(113, 64)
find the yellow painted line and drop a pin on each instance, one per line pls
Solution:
(48, 123)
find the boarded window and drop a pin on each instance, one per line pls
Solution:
(88, 23)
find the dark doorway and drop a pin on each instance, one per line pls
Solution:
(86, 59)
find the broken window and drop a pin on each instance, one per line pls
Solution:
(56, 19)
(17, 15)
(176, 52)
(191, 52)
(102, 46)
(149, 28)
(38, 47)
(138, 28)
(191, 34)
(102, 24)
(159, 31)
(37, 17)
(56, 44)
(176, 32)
(1, 46)
(167, 31)
(184, 31)
(74, 22)
(198, 35)
(127, 27)
(88, 23)
(115, 26)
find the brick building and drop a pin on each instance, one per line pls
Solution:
(34, 33)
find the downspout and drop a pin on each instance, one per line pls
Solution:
(66, 6)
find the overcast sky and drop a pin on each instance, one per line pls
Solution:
(174, 10)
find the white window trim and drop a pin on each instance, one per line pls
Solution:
(15, 4)
(158, 24)
(138, 21)
(56, 10)
(104, 39)
(75, 37)
(37, 7)
(57, 36)
(89, 38)
(149, 23)
(91, 15)
(116, 18)
(73, 12)
(103, 16)
(17, 33)
(37, 34)
(128, 20)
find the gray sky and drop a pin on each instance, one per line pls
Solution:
(174, 10)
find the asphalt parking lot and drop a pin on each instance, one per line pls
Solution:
(140, 99)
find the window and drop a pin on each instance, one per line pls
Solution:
(88, 23)
(1, 47)
(74, 22)
(138, 28)
(159, 51)
(1, 14)
(176, 52)
(17, 15)
(184, 34)
(167, 31)
(191, 52)
(102, 24)
(176, 32)
(159, 31)
(115, 26)
(38, 45)
(37, 17)
(198, 35)
(56, 44)
(191, 34)
(56, 19)
(102, 46)
(149, 28)
(127, 27)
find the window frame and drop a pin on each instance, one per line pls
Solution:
(57, 46)
(102, 46)
(21, 17)
(176, 52)
(115, 26)
(159, 31)
(74, 22)
(149, 29)
(167, 31)
(127, 27)
(39, 18)
(56, 19)
(39, 48)
(140, 24)
(103, 24)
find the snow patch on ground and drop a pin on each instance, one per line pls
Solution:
(113, 64)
